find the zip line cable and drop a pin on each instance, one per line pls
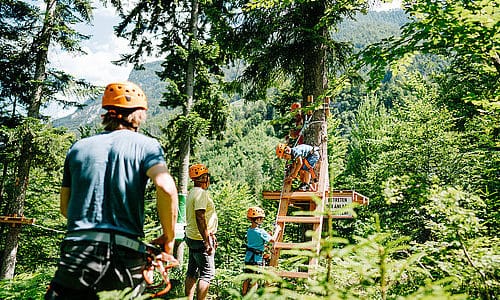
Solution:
(49, 229)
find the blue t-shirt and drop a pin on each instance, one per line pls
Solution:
(305, 151)
(256, 239)
(107, 177)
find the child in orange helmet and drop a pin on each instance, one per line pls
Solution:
(304, 158)
(256, 240)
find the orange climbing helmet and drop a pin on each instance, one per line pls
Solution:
(197, 170)
(256, 212)
(124, 94)
(294, 106)
(280, 150)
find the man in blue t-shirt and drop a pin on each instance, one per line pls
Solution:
(102, 197)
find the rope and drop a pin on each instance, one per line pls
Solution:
(47, 228)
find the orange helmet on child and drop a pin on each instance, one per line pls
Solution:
(197, 170)
(124, 94)
(280, 150)
(256, 212)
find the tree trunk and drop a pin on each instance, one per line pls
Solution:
(17, 208)
(41, 46)
(190, 73)
(315, 76)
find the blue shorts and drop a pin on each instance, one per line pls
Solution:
(312, 159)
(200, 264)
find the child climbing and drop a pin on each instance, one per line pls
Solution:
(304, 158)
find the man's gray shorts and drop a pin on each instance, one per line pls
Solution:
(200, 264)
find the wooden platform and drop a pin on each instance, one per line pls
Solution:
(308, 196)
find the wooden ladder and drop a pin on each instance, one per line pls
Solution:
(314, 203)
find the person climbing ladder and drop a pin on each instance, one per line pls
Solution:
(304, 158)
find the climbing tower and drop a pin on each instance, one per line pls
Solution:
(313, 204)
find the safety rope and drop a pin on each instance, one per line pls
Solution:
(49, 229)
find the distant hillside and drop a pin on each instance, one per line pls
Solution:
(366, 29)
(90, 113)
(371, 28)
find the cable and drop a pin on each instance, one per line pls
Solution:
(49, 229)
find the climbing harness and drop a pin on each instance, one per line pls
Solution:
(161, 262)
(308, 165)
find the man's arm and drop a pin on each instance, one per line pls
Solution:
(166, 203)
(202, 228)
(64, 195)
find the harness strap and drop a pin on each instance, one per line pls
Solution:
(254, 252)
(311, 170)
(308, 165)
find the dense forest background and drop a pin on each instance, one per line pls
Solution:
(422, 143)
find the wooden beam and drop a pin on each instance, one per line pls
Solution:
(16, 220)
(292, 274)
(297, 219)
(299, 246)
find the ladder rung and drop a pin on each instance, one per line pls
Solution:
(292, 274)
(301, 246)
(297, 219)
(293, 196)
(340, 217)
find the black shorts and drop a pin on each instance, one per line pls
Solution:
(88, 267)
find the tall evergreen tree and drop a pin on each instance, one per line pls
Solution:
(181, 32)
(291, 41)
(34, 85)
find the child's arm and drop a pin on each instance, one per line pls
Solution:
(276, 233)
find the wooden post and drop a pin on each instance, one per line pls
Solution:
(326, 106)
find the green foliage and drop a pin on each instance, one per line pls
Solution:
(465, 32)
(410, 146)
(238, 158)
(460, 246)
(28, 285)
(179, 129)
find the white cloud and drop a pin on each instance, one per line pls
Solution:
(102, 48)
(380, 5)
(95, 67)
